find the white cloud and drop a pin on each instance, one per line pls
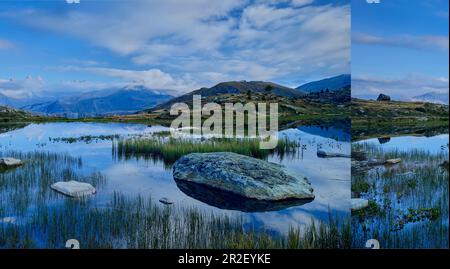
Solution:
(6, 44)
(409, 41)
(399, 88)
(299, 3)
(203, 42)
(22, 88)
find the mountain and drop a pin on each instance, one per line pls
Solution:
(432, 97)
(332, 84)
(236, 87)
(126, 100)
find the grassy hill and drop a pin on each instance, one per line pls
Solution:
(392, 118)
(306, 109)
(235, 88)
(10, 115)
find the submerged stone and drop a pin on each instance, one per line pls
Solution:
(326, 154)
(359, 203)
(165, 201)
(74, 188)
(243, 176)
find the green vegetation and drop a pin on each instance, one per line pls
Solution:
(86, 139)
(171, 149)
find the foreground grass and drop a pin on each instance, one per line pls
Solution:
(141, 223)
(408, 201)
(171, 149)
(46, 219)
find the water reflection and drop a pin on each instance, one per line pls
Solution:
(227, 200)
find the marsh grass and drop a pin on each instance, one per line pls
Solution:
(140, 223)
(85, 139)
(171, 149)
(46, 219)
(22, 188)
(412, 198)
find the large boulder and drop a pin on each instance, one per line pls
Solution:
(383, 97)
(243, 176)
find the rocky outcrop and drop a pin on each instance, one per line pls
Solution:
(383, 97)
(243, 176)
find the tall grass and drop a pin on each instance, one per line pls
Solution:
(411, 197)
(141, 223)
(171, 149)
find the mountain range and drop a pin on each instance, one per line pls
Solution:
(135, 98)
(432, 97)
(331, 84)
(126, 100)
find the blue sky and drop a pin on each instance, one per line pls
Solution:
(399, 47)
(53, 46)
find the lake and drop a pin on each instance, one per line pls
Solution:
(330, 177)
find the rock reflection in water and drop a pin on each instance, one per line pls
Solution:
(227, 200)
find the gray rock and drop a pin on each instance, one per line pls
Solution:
(326, 154)
(10, 162)
(383, 97)
(74, 188)
(8, 220)
(359, 203)
(393, 161)
(165, 201)
(242, 175)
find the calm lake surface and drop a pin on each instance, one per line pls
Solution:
(330, 178)
(432, 144)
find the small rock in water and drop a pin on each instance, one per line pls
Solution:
(359, 203)
(165, 201)
(445, 165)
(325, 154)
(393, 161)
(73, 188)
(8, 220)
(10, 162)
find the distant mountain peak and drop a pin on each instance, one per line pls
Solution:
(433, 97)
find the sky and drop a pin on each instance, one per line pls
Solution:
(177, 46)
(400, 48)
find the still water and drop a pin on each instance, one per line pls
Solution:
(330, 177)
